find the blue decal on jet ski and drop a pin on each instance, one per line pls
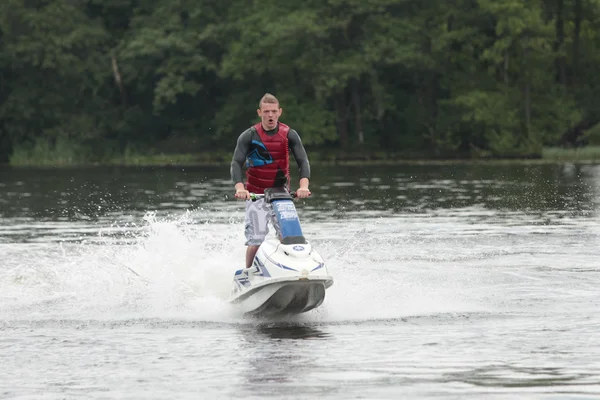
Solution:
(258, 262)
(261, 270)
(318, 267)
(241, 278)
(286, 214)
(298, 248)
(286, 267)
(242, 282)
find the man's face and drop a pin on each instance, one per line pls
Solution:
(269, 113)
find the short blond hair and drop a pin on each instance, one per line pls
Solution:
(268, 98)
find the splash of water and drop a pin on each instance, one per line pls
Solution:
(177, 268)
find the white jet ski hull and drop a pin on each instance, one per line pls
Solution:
(283, 296)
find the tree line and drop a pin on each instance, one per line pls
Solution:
(499, 78)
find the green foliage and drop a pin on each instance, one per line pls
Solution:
(51, 71)
(590, 153)
(45, 152)
(499, 78)
(592, 135)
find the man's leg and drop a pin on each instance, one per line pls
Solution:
(250, 253)
(257, 217)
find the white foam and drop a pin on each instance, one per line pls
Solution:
(181, 267)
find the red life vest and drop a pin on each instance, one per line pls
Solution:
(268, 161)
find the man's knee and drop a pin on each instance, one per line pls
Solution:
(256, 229)
(254, 242)
(254, 237)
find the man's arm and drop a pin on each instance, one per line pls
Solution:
(239, 156)
(295, 144)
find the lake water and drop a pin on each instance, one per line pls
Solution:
(451, 281)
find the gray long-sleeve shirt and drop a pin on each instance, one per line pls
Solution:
(244, 148)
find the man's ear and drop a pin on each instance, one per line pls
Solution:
(258, 112)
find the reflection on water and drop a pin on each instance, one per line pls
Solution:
(276, 353)
(287, 331)
(71, 204)
(508, 376)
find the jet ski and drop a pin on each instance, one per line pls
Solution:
(288, 276)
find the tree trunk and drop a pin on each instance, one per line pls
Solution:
(378, 91)
(576, 37)
(342, 118)
(527, 94)
(570, 137)
(506, 66)
(561, 62)
(428, 95)
(431, 110)
(119, 80)
(358, 125)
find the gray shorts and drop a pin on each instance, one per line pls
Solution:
(258, 215)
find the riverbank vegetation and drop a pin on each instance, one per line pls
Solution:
(176, 81)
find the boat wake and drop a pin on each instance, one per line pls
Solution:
(180, 269)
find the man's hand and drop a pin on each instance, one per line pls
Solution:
(241, 192)
(302, 193)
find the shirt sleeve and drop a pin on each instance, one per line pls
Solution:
(239, 156)
(295, 144)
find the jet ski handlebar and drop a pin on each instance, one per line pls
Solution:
(256, 196)
(274, 194)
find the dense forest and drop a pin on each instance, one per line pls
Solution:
(91, 79)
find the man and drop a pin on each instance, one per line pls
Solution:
(265, 149)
